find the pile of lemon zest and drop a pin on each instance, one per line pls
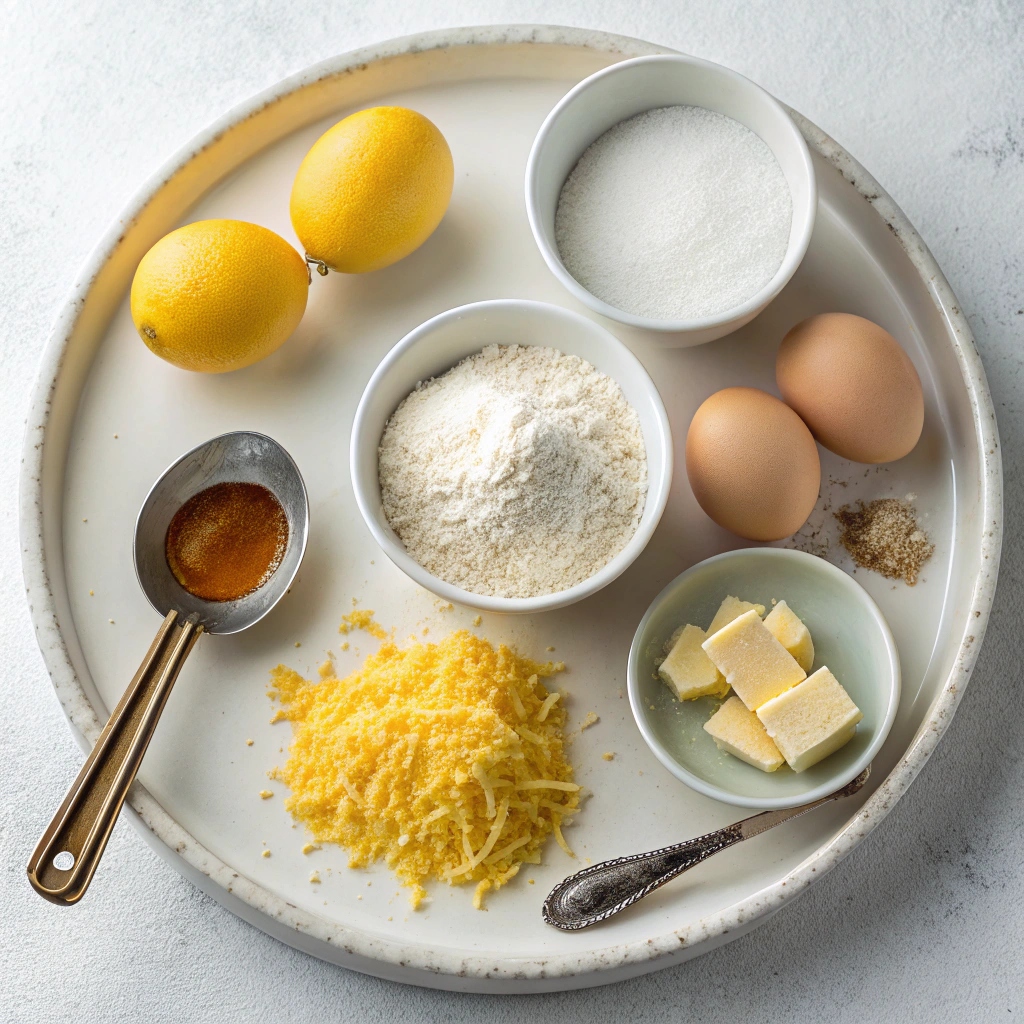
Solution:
(408, 746)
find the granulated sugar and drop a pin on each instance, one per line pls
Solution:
(676, 213)
(520, 472)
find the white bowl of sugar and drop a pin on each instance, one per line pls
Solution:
(442, 489)
(671, 194)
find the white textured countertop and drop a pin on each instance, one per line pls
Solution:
(923, 921)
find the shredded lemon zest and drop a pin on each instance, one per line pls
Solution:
(517, 703)
(488, 789)
(480, 892)
(561, 809)
(420, 743)
(529, 735)
(559, 838)
(549, 703)
(567, 787)
(506, 850)
(353, 793)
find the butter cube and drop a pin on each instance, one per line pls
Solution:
(738, 731)
(784, 624)
(731, 608)
(688, 671)
(811, 721)
(753, 662)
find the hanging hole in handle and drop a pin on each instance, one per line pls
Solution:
(64, 861)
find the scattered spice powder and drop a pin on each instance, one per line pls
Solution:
(884, 536)
(227, 541)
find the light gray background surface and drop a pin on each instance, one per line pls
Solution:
(924, 921)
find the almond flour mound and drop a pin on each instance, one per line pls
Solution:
(521, 471)
(446, 760)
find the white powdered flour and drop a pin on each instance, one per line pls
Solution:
(676, 214)
(522, 471)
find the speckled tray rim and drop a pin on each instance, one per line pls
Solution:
(415, 964)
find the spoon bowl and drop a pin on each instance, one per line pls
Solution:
(239, 457)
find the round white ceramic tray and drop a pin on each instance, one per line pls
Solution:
(108, 417)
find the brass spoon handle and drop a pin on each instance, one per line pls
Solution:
(62, 865)
(602, 890)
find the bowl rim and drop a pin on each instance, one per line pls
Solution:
(840, 779)
(739, 314)
(655, 503)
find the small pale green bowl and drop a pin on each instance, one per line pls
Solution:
(850, 636)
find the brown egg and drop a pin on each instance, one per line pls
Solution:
(752, 464)
(853, 386)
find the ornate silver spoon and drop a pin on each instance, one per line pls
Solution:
(602, 890)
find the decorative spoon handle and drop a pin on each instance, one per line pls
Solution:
(602, 890)
(62, 865)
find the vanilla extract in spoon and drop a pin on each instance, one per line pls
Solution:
(227, 540)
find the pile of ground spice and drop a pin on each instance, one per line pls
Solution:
(884, 536)
(227, 540)
(445, 760)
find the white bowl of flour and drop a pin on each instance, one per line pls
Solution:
(671, 194)
(511, 456)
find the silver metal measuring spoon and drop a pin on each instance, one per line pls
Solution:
(62, 865)
(602, 890)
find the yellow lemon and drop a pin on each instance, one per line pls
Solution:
(218, 295)
(372, 189)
